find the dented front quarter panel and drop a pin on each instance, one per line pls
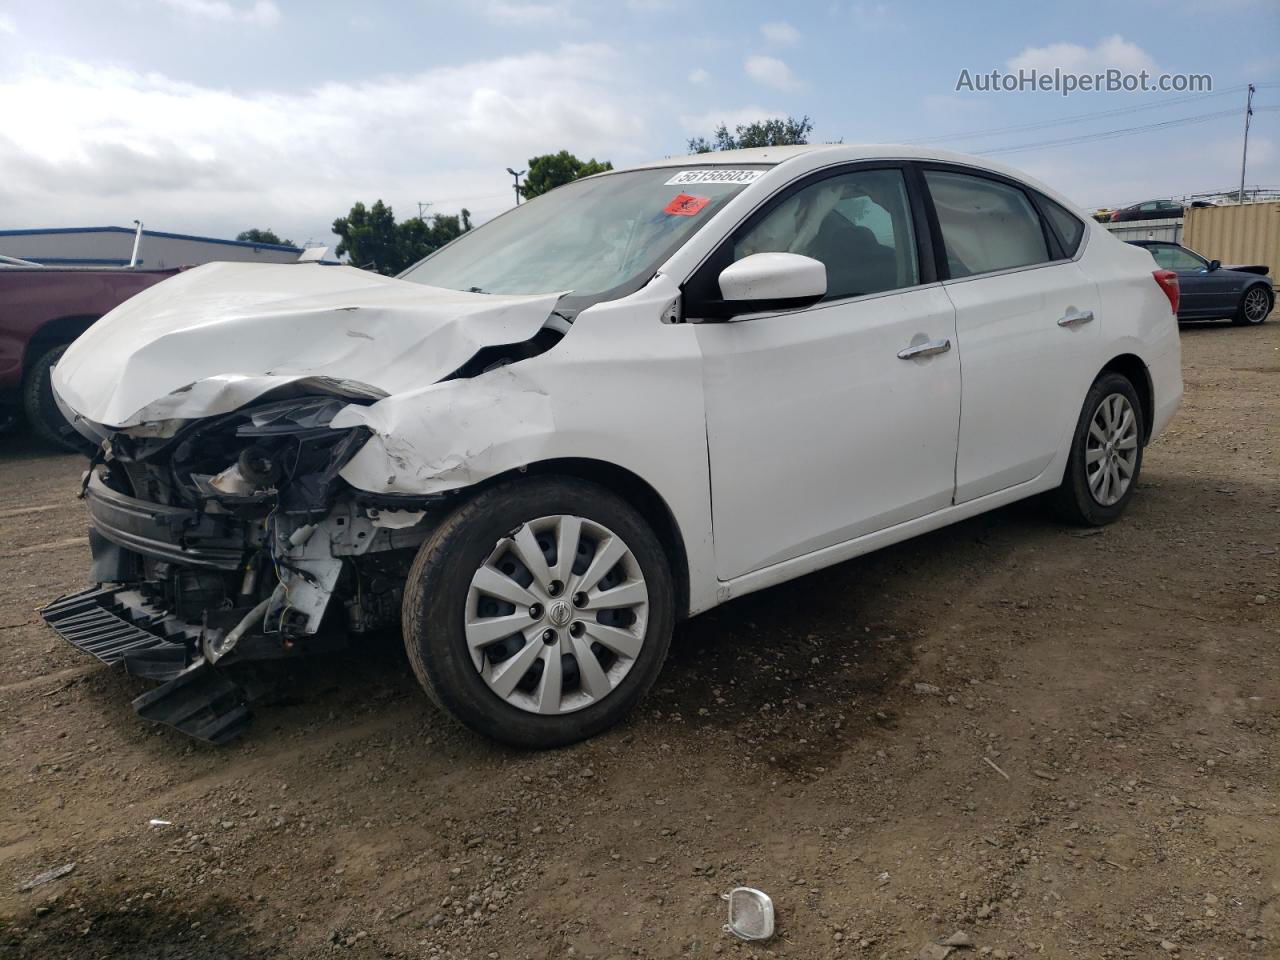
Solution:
(622, 387)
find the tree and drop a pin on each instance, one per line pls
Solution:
(417, 238)
(368, 237)
(262, 236)
(774, 132)
(373, 240)
(552, 170)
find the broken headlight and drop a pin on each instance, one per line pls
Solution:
(281, 455)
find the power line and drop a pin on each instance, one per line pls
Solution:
(1098, 114)
(486, 196)
(1112, 134)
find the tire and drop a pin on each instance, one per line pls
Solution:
(43, 416)
(1084, 498)
(446, 596)
(1255, 306)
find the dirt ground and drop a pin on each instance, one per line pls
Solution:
(1061, 743)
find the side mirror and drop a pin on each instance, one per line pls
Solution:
(768, 281)
(1215, 265)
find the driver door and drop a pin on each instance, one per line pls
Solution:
(831, 422)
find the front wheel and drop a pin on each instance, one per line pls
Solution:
(1254, 307)
(540, 611)
(1106, 454)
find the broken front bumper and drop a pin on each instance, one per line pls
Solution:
(118, 625)
(180, 535)
(137, 544)
(195, 597)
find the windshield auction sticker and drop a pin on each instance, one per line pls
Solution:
(685, 206)
(735, 177)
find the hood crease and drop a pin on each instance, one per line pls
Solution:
(216, 337)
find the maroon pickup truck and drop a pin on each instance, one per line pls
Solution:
(42, 309)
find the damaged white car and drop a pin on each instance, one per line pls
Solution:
(614, 406)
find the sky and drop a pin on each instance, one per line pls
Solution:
(213, 116)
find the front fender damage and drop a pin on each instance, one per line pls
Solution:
(451, 434)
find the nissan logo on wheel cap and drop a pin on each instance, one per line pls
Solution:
(559, 613)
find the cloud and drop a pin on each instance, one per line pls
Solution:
(1113, 51)
(871, 17)
(7, 26)
(781, 33)
(699, 76)
(561, 13)
(771, 72)
(86, 144)
(703, 124)
(261, 12)
(518, 13)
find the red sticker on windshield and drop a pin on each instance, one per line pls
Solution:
(685, 206)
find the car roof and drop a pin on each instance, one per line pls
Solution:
(847, 152)
(836, 152)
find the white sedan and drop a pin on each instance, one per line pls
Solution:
(617, 405)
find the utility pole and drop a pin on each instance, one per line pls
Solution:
(1244, 158)
(422, 208)
(517, 176)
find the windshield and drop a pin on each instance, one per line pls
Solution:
(591, 237)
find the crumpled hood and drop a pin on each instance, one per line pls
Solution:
(214, 338)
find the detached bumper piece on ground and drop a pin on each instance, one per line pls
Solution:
(116, 627)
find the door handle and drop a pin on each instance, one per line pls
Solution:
(1073, 317)
(926, 349)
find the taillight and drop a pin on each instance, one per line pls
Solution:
(1168, 281)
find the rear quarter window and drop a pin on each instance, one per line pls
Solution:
(1065, 223)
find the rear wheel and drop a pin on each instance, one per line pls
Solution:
(1255, 306)
(43, 416)
(540, 611)
(1106, 454)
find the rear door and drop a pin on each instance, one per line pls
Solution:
(1026, 320)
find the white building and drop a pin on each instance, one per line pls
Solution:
(112, 247)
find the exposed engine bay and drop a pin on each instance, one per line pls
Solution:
(269, 522)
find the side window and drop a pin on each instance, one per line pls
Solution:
(986, 225)
(1149, 205)
(1069, 229)
(858, 224)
